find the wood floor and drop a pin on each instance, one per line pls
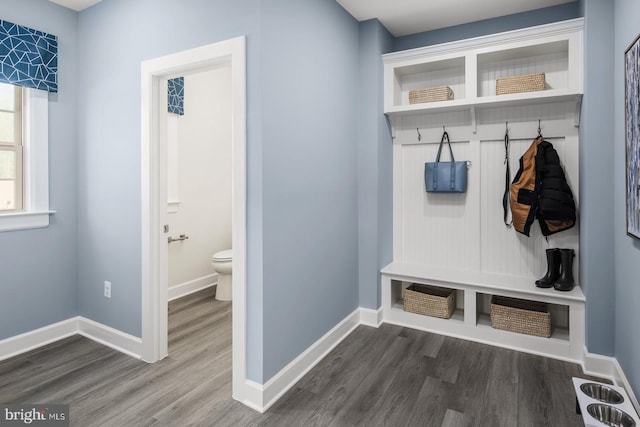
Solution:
(390, 376)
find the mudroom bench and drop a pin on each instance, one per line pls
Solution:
(471, 320)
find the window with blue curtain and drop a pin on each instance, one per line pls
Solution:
(175, 91)
(28, 57)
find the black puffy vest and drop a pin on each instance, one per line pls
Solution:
(540, 190)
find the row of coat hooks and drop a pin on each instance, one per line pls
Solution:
(506, 129)
(506, 126)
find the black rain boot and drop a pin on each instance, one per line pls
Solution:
(553, 269)
(565, 282)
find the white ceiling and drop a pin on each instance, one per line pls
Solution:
(76, 5)
(403, 17)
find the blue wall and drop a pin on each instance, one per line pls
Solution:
(114, 40)
(596, 222)
(375, 161)
(490, 26)
(109, 136)
(39, 279)
(310, 194)
(627, 249)
(302, 188)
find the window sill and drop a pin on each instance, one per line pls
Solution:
(24, 220)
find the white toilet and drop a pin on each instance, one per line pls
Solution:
(221, 262)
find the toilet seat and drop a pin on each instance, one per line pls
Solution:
(222, 256)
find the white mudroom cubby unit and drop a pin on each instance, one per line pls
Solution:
(459, 240)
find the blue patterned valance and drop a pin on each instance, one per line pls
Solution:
(176, 95)
(28, 57)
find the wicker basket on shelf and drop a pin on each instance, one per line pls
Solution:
(518, 84)
(430, 300)
(430, 94)
(522, 316)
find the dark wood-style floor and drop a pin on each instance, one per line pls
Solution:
(390, 376)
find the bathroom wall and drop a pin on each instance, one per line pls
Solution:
(203, 177)
(627, 249)
(38, 268)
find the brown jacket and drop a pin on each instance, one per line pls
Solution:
(540, 190)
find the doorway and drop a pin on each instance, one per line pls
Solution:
(197, 134)
(154, 198)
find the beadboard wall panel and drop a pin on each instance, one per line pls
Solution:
(452, 77)
(503, 250)
(553, 65)
(466, 231)
(439, 228)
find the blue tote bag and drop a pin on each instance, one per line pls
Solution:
(445, 177)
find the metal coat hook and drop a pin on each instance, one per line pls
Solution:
(419, 136)
(539, 128)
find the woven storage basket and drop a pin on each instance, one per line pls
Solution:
(518, 84)
(522, 316)
(430, 300)
(430, 94)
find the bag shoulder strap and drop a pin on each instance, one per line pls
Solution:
(507, 181)
(445, 135)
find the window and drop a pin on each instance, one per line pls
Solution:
(11, 179)
(24, 158)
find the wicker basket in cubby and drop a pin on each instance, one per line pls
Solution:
(522, 316)
(518, 84)
(430, 300)
(430, 94)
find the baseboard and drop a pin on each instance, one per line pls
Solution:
(79, 325)
(370, 317)
(622, 381)
(31, 340)
(192, 286)
(598, 365)
(106, 335)
(263, 396)
(609, 368)
(253, 394)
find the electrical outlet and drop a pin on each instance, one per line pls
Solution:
(107, 289)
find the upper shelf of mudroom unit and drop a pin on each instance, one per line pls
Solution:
(470, 69)
(551, 96)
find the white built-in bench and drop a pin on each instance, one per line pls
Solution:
(471, 319)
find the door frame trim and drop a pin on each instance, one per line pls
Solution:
(154, 199)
